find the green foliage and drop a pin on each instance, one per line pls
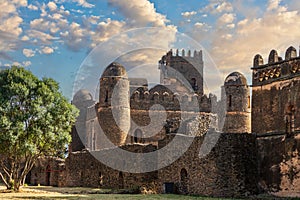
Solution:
(36, 119)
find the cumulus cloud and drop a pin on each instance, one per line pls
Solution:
(28, 53)
(105, 30)
(139, 12)
(47, 50)
(52, 6)
(10, 26)
(199, 25)
(273, 4)
(32, 7)
(275, 29)
(26, 63)
(227, 18)
(41, 37)
(84, 3)
(188, 14)
(218, 6)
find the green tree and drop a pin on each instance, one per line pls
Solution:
(35, 120)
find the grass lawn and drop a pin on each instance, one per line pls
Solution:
(49, 193)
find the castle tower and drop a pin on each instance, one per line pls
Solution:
(185, 66)
(80, 132)
(237, 98)
(275, 94)
(113, 107)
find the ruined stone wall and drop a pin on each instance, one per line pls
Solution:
(278, 164)
(228, 170)
(159, 123)
(47, 171)
(83, 169)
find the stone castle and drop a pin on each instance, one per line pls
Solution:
(240, 145)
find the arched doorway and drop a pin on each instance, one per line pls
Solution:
(138, 135)
(290, 120)
(183, 181)
(194, 84)
(121, 180)
(48, 175)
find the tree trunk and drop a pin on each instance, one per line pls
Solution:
(17, 184)
(24, 180)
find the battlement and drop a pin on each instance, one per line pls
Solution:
(277, 68)
(184, 53)
(170, 101)
(180, 55)
(184, 64)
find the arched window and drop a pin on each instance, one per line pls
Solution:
(48, 175)
(249, 102)
(106, 96)
(194, 84)
(183, 181)
(290, 120)
(229, 101)
(92, 139)
(121, 180)
(138, 135)
(100, 179)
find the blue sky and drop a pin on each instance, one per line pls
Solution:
(53, 37)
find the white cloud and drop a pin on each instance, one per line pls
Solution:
(26, 63)
(47, 50)
(188, 14)
(16, 64)
(218, 6)
(84, 3)
(139, 12)
(230, 26)
(41, 37)
(224, 7)
(32, 7)
(93, 19)
(273, 5)
(105, 30)
(28, 53)
(10, 26)
(227, 18)
(52, 6)
(39, 24)
(199, 24)
(237, 46)
(25, 38)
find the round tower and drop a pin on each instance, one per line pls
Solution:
(113, 107)
(82, 100)
(237, 101)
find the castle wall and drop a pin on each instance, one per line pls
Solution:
(83, 169)
(162, 96)
(278, 164)
(275, 114)
(228, 170)
(48, 171)
(275, 97)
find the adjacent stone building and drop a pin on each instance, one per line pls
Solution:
(238, 146)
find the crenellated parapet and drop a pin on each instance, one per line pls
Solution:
(277, 68)
(171, 101)
(183, 66)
